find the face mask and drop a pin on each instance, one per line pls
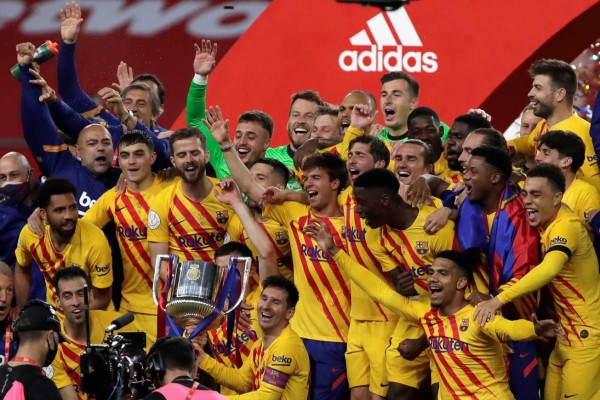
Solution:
(15, 191)
(51, 354)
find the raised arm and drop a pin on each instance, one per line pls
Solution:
(376, 288)
(68, 80)
(239, 172)
(39, 130)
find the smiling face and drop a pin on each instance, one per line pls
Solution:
(541, 96)
(551, 156)
(320, 189)
(7, 287)
(251, 141)
(136, 162)
(326, 127)
(61, 214)
(94, 148)
(190, 159)
(301, 121)
(70, 299)
(541, 201)
(444, 282)
(360, 160)
(479, 179)
(528, 122)
(273, 311)
(371, 205)
(410, 163)
(396, 103)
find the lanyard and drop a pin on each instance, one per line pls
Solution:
(29, 361)
(7, 339)
(192, 391)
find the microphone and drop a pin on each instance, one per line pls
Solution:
(120, 322)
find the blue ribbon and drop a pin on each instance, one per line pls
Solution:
(230, 288)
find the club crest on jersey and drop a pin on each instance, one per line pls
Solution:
(281, 238)
(422, 247)
(464, 325)
(222, 217)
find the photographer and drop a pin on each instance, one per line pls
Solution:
(65, 370)
(171, 362)
(38, 331)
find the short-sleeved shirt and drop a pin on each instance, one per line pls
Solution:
(88, 249)
(194, 230)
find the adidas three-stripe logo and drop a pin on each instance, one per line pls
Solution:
(387, 35)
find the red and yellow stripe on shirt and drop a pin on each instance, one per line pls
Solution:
(470, 359)
(65, 369)
(194, 230)
(129, 212)
(88, 250)
(278, 236)
(411, 249)
(323, 312)
(362, 308)
(576, 289)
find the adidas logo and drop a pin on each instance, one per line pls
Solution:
(388, 34)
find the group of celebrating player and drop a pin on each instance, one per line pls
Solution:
(426, 260)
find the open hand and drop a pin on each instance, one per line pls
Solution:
(70, 22)
(205, 59)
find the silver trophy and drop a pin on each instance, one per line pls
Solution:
(195, 287)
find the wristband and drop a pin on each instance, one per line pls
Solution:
(124, 121)
(226, 148)
(200, 79)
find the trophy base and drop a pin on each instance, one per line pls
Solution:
(193, 309)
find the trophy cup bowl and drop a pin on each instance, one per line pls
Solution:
(195, 287)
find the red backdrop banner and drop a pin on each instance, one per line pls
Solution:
(465, 53)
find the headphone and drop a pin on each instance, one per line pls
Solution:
(156, 364)
(52, 318)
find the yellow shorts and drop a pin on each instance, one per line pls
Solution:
(145, 323)
(573, 372)
(409, 373)
(365, 355)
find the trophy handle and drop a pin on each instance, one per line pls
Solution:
(159, 259)
(247, 265)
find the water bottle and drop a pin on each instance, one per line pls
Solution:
(41, 54)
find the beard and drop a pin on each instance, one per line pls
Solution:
(195, 176)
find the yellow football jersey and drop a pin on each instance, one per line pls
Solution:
(278, 236)
(278, 372)
(65, 369)
(362, 308)
(129, 212)
(323, 312)
(88, 250)
(194, 230)
(527, 144)
(411, 249)
(581, 197)
(469, 359)
(575, 287)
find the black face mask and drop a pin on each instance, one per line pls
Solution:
(15, 192)
(51, 354)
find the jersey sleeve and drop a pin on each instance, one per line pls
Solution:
(59, 374)
(71, 91)
(194, 113)
(378, 290)
(239, 380)
(344, 147)
(99, 259)
(99, 213)
(235, 228)
(526, 144)
(22, 253)
(538, 277)
(505, 330)
(279, 212)
(39, 130)
(277, 373)
(595, 125)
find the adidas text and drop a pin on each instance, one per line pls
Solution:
(377, 59)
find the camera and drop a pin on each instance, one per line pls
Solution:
(116, 369)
